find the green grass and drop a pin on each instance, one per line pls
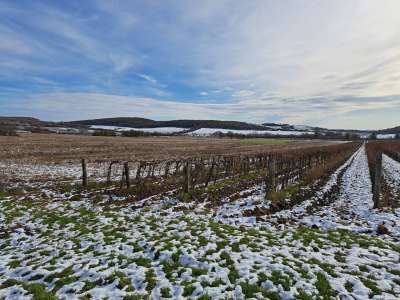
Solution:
(188, 288)
(302, 295)
(324, 288)
(142, 262)
(204, 297)
(250, 290)
(14, 264)
(38, 291)
(151, 280)
(196, 272)
(165, 292)
(279, 278)
(372, 286)
(225, 256)
(348, 286)
(233, 275)
(8, 283)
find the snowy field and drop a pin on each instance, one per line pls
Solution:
(211, 131)
(165, 130)
(204, 131)
(60, 242)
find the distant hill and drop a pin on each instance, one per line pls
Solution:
(393, 130)
(148, 123)
(19, 120)
(8, 124)
(119, 122)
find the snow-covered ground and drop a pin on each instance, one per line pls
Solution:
(353, 208)
(385, 136)
(391, 173)
(165, 130)
(55, 171)
(95, 247)
(78, 249)
(211, 131)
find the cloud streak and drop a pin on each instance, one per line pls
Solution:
(256, 61)
(72, 106)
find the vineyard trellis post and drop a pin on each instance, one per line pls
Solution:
(126, 171)
(84, 173)
(270, 180)
(187, 180)
(376, 189)
(110, 170)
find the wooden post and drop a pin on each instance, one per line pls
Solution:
(126, 171)
(210, 172)
(376, 189)
(109, 171)
(138, 170)
(166, 172)
(84, 173)
(270, 179)
(187, 179)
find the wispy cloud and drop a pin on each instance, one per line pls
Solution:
(319, 111)
(148, 78)
(256, 60)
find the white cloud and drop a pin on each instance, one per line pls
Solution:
(318, 111)
(286, 60)
(243, 93)
(148, 78)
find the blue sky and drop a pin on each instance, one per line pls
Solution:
(327, 63)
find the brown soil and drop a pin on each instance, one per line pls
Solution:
(57, 148)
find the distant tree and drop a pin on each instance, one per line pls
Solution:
(103, 132)
(373, 136)
(7, 130)
(397, 136)
(351, 136)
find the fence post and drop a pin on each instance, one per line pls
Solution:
(84, 173)
(376, 189)
(187, 179)
(126, 171)
(110, 170)
(270, 180)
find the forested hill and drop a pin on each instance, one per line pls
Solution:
(148, 123)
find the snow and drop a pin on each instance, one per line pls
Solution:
(303, 127)
(211, 131)
(218, 252)
(391, 173)
(165, 130)
(63, 129)
(354, 207)
(385, 136)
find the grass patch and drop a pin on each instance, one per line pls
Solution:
(348, 286)
(188, 289)
(372, 286)
(165, 292)
(151, 280)
(324, 288)
(196, 272)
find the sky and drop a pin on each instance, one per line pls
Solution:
(333, 64)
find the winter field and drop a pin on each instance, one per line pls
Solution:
(317, 235)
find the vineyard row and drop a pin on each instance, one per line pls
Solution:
(277, 170)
